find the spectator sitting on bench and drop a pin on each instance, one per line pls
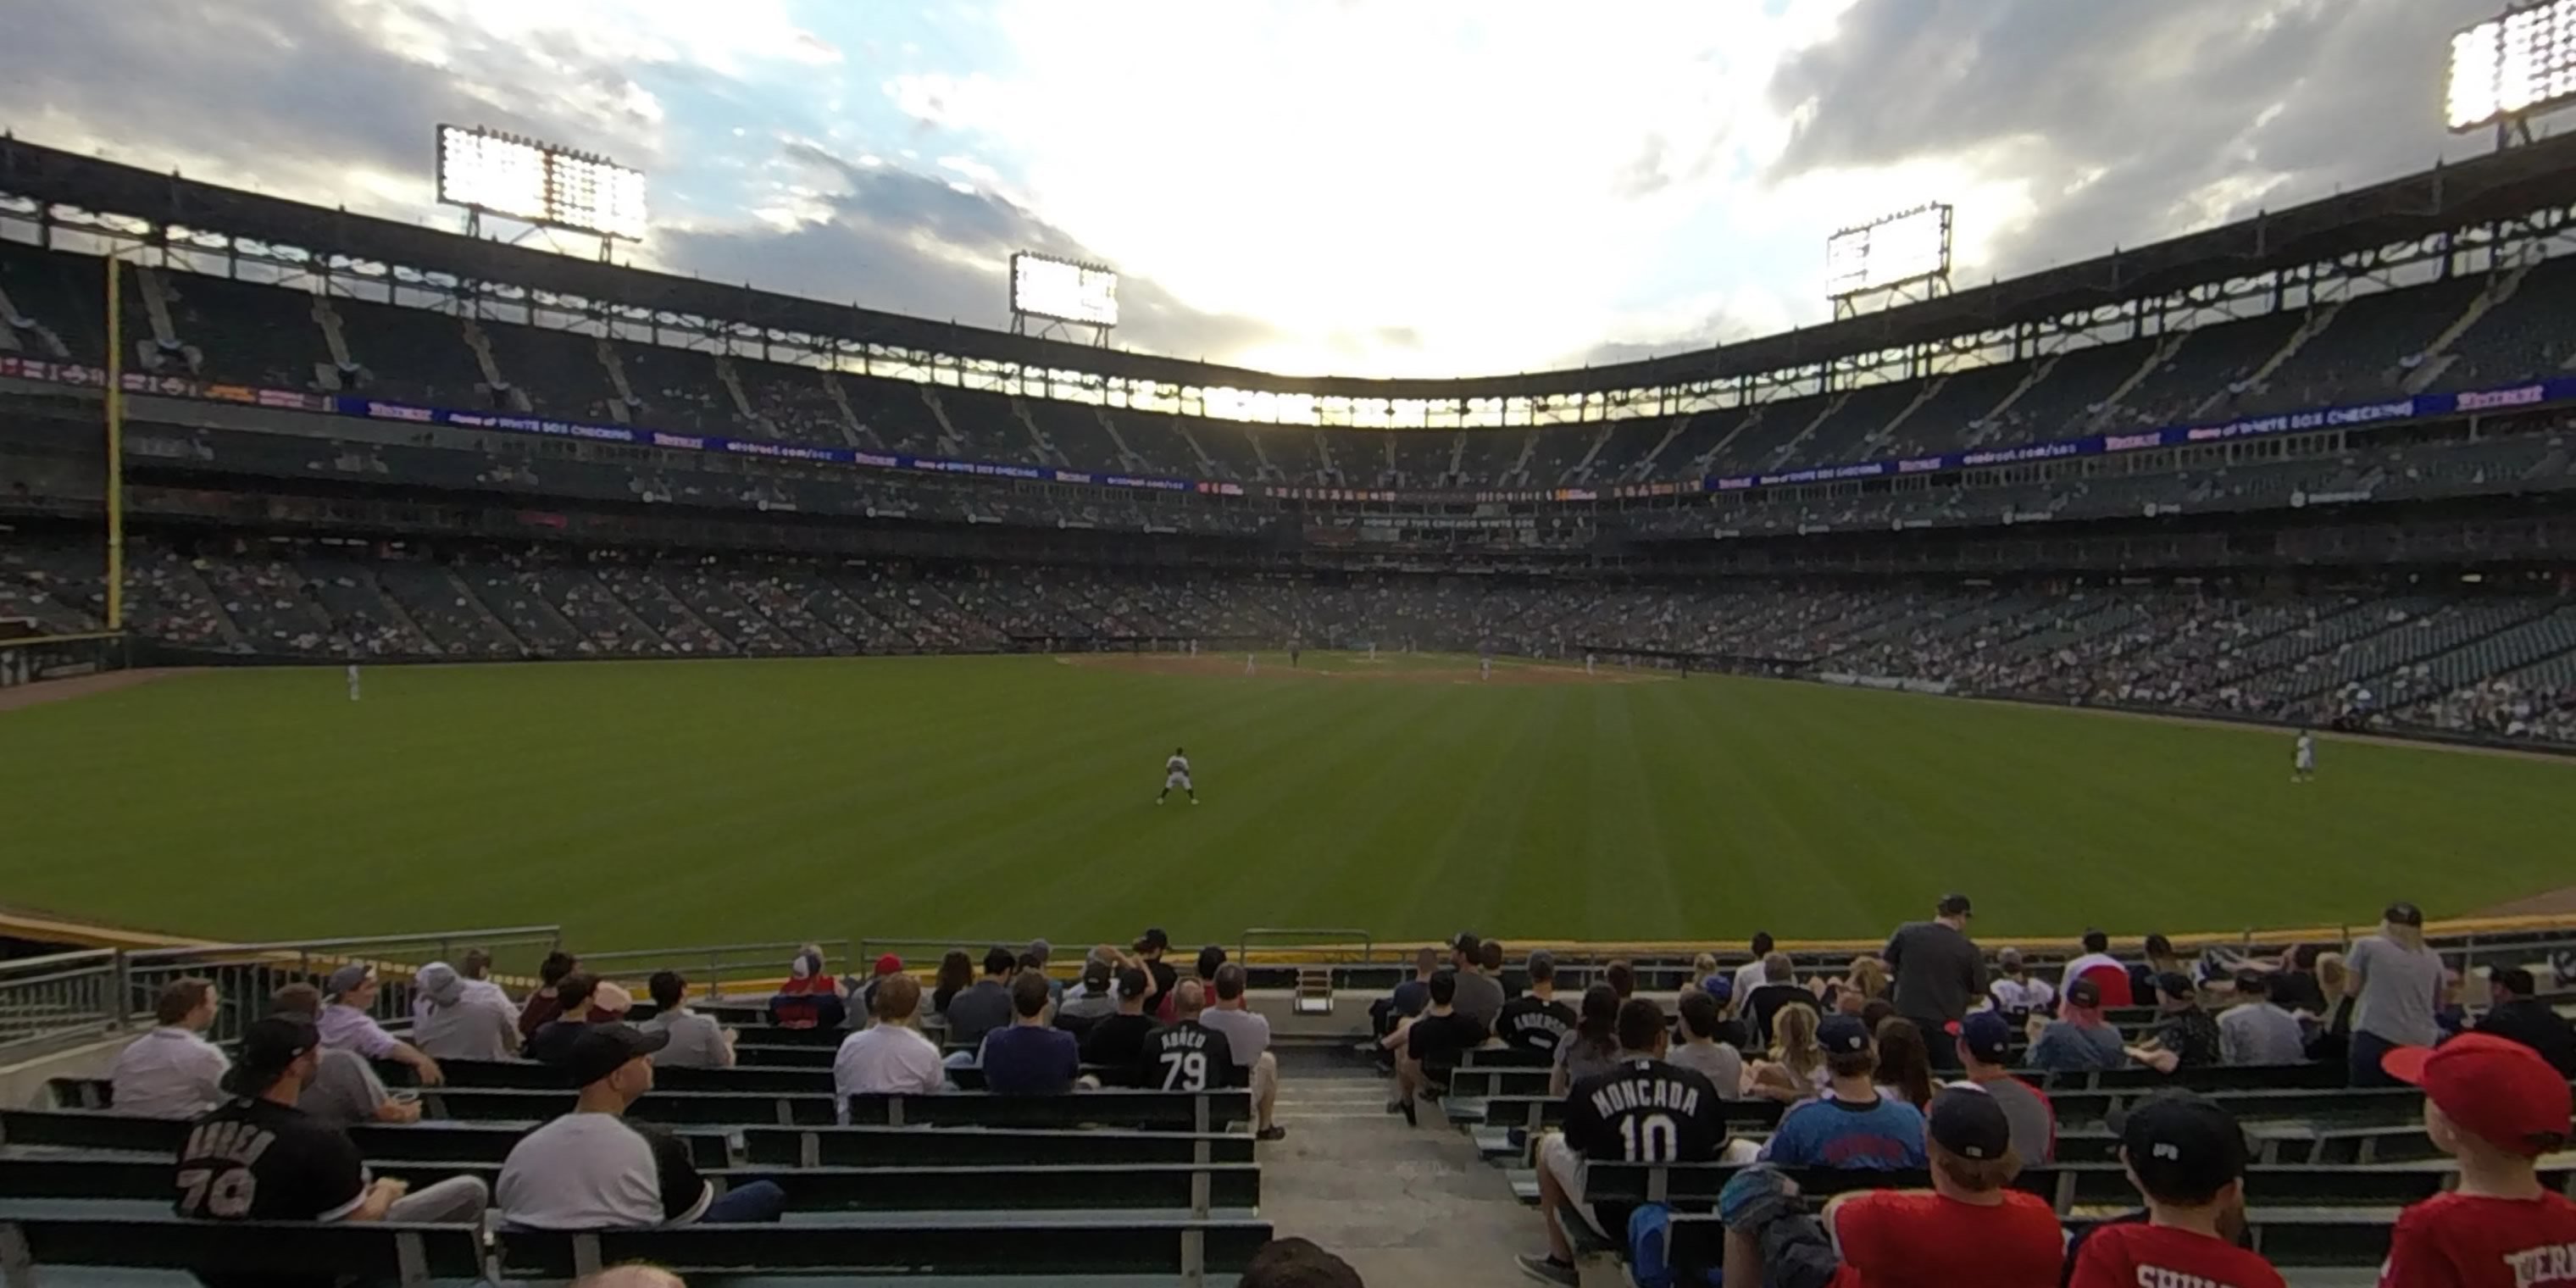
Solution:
(1593, 1045)
(1643, 1109)
(1409, 999)
(455, 1021)
(1428, 1046)
(1480, 996)
(1029, 1057)
(2519, 1015)
(1985, 1047)
(346, 1025)
(1187, 1055)
(2187, 1156)
(863, 997)
(2496, 1107)
(343, 1089)
(1853, 1126)
(697, 1041)
(1904, 1066)
(1973, 1228)
(1716, 1061)
(553, 1040)
(1247, 1037)
(1536, 1021)
(2079, 1039)
(956, 975)
(2254, 1031)
(1039, 953)
(1755, 973)
(593, 1170)
(2016, 992)
(1117, 1042)
(475, 967)
(1091, 999)
(1490, 958)
(890, 1057)
(983, 1008)
(2186, 1038)
(1793, 1069)
(810, 998)
(1779, 988)
(259, 1158)
(543, 1005)
(172, 1071)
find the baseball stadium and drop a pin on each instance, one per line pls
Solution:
(466, 682)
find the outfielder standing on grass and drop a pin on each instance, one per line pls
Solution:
(1176, 773)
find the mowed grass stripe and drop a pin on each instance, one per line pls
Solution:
(645, 804)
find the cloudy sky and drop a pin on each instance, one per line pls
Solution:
(1366, 187)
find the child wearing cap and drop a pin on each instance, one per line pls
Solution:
(1972, 1228)
(2496, 1106)
(1852, 1125)
(2186, 1155)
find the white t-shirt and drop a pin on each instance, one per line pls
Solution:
(1748, 977)
(170, 1072)
(599, 1172)
(2021, 996)
(473, 1029)
(888, 1059)
(1247, 1033)
(697, 1041)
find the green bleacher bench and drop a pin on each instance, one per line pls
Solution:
(1138, 1110)
(421, 1142)
(1168, 1187)
(1049, 1246)
(860, 1146)
(36, 1233)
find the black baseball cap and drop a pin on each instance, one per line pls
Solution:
(1967, 1122)
(1955, 905)
(2084, 993)
(2184, 1148)
(2514, 980)
(2403, 914)
(1152, 939)
(1843, 1035)
(268, 1046)
(1987, 1035)
(603, 1049)
(2174, 983)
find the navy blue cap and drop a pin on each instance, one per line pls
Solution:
(1843, 1035)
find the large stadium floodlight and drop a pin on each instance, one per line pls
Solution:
(1903, 254)
(1061, 291)
(487, 172)
(2516, 64)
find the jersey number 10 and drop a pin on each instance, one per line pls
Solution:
(1650, 1138)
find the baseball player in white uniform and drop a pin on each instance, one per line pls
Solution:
(2303, 758)
(1176, 773)
(353, 681)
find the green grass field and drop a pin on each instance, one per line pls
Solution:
(654, 804)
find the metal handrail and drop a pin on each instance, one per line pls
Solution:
(1313, 941)
(47, 999)
(717, 959)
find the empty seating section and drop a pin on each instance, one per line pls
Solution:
(411, 354)
(1949, 417)
(1489, 455)
(262, 335)
(894, 413)
(1854, 417)
(2525, 337)
(2065, 402)
(2374, 343)
(59, 299)
(1625, 452)
(1159, 447)
(559, 370)
(789, 401)
(676, 388)
(2210, 362)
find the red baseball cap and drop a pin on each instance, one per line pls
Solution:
(2496, 1089)
(889, 964)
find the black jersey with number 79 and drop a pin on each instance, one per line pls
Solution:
(1646, 1111)
(1188, 1056)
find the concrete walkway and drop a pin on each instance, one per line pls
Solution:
(1408, 1207)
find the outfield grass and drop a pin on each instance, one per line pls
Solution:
(655, 804)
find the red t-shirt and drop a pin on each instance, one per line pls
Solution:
(1897, 1239)
(2461, 1241)
(2124, 1256)
(2114, 983)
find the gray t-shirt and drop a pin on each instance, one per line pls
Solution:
(1581, 1059)
(697, 1041)
(1480, 998)
(2400, 990)
(1938, 971)
(599, 1172)
(345, 1090)
(978, 1011)
(473, 1029)
(2034, 1123)
(1721, 1064)
(2260, 1033)
(1247, 1035)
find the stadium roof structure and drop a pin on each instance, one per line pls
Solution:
(2500, 186)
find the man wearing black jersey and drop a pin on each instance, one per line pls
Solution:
(1641, 1110)
(1536, 1021)
(1186, 1055)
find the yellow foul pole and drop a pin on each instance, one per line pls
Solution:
(115, 454)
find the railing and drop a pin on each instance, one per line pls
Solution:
(245, 974)
(708, 967)
(1296, 946)
(60, 996)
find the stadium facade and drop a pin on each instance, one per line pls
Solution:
(2310, 466)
